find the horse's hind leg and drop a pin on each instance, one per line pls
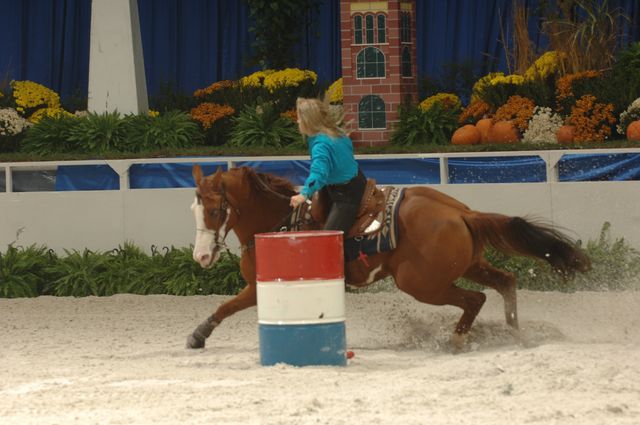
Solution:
(470, 302)
(246, 298)
(505, 283)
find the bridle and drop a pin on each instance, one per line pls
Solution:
(282, 226)
(222, 208)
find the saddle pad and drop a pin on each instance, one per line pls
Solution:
(383, 240)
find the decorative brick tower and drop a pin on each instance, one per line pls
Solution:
(378, 40)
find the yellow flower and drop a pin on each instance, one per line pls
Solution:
(335, 91)
(256, 79)
(153, 113)
(508, 79)
(447, 100)
(290, 77)
(482, 83)
(48, 112)
(28, 94)
(544, 66)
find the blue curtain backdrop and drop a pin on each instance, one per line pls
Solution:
(190, 44)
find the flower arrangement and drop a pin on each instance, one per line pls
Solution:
(518, 109)
(335, 92)
(289, 77)
(476, 110)
(546, 65)
(219, 85)
(507, 79)
(632, 113)
(29, 95)
(208, 113)
(11, 123)
(448, 101)
(592, 120)
(543, 126)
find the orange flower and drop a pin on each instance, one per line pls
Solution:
(291, 114)
(474, 112)
(592, 120)
(208, 113)
(213, 87)
(518, 109)
(564, 85)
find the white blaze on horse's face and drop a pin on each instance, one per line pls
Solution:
(203, 250)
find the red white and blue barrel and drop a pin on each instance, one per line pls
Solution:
(301, 300)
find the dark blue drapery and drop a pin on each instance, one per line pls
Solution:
(193, 43)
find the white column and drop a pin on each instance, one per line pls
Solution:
(116, 65)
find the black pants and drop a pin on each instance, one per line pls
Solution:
(345, 202)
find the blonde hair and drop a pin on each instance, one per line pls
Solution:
(316, 116)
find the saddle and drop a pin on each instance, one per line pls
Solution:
(371, 214)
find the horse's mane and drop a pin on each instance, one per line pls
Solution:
(274, 183)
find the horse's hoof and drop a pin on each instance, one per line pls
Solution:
(459, 343)
(194, 343)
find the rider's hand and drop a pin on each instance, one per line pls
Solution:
(296, 200)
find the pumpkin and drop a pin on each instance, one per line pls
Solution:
(633, 131)
(566, 134)
(503, 132)
(484, 125)
(466, 135)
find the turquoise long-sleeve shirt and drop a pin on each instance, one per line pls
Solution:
(332, 162)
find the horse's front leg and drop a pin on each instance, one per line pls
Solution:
(245, 299)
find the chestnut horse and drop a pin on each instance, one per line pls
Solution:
(440, 240)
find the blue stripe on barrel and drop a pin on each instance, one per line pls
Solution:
(300, 280)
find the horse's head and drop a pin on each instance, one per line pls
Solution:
(213, 215)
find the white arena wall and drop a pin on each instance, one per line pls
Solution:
(103, 220)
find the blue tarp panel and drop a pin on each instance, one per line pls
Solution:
(86, 177)
(385, 171)
(599, 167)
(500, 169)
(170, 175)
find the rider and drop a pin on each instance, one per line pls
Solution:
(333, 166)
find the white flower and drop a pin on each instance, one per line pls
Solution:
(543, 126)
(631, 114)
(11, 123)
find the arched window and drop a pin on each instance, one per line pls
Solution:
(357, 28)
(371, 112)
(406, 62)
(405, 27)
(382, 29)
(368, 29)
(370, 63)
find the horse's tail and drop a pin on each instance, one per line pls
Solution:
(516, 235)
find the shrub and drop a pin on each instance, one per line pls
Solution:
(433, 126)
(517, 109)
(495, 89)
(170, 130)
(24, 271)
(593, 120)
(51, 136)
(263, 126)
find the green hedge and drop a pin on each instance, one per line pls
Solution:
(32, 271)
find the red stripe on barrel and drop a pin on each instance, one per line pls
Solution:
(299, 256)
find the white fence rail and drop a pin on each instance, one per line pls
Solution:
(102, 220)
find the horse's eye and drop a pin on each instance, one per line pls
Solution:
(213, 213)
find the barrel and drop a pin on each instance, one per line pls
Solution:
(301, 300)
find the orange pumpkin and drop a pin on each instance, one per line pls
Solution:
(484, 125)
(633, 131)
(566, 134)
(503, 132)
(466, 135)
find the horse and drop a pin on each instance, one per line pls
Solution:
(439, 240)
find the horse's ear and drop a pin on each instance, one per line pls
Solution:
(197, 173)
